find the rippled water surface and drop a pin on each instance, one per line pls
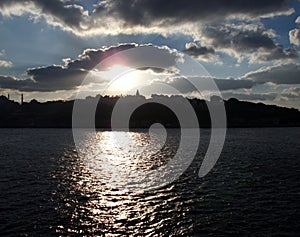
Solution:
(47, 189)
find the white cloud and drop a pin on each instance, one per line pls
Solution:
(298, 20)
(295, 37)
(4, 63)
(295, 34)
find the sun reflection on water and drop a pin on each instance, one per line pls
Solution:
(99, 209)
(124, 159)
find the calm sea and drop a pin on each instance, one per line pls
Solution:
(254, 189)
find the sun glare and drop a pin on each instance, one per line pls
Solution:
(122, 79)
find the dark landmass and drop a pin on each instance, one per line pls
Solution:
(58, 114)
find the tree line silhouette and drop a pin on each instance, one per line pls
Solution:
(58, 114)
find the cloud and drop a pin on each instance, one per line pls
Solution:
(200, 52)
(47, 79)
(278, 53)
(297, 21)
(70, 75)
(295, 34)
(62, 77)
(281, 74)
(118, 16)
(251, 41)
(4, 63)
(287, 73)
(10, 82)
(70, 17)
(148, 12)
(91, 57)
(55, 77)
(292, 93)
(158, 16)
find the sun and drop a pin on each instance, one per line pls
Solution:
(122, 79)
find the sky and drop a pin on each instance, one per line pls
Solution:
(250, 48)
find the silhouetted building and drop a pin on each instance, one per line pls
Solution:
(137, 93)
(22, 98)
(8, 96)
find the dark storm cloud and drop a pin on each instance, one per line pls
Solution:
(119, 16)
(54, 78)
(45, 79)
(279, 74)
(69, 15)
(198, 51)
(254, 41)
(10, 82)
(145, 12)
(151, 12)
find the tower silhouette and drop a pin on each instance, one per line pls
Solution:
(22, 98)
(137, 93)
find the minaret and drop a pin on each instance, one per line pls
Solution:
(8, 96)
(137, 93)
(22, 98)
